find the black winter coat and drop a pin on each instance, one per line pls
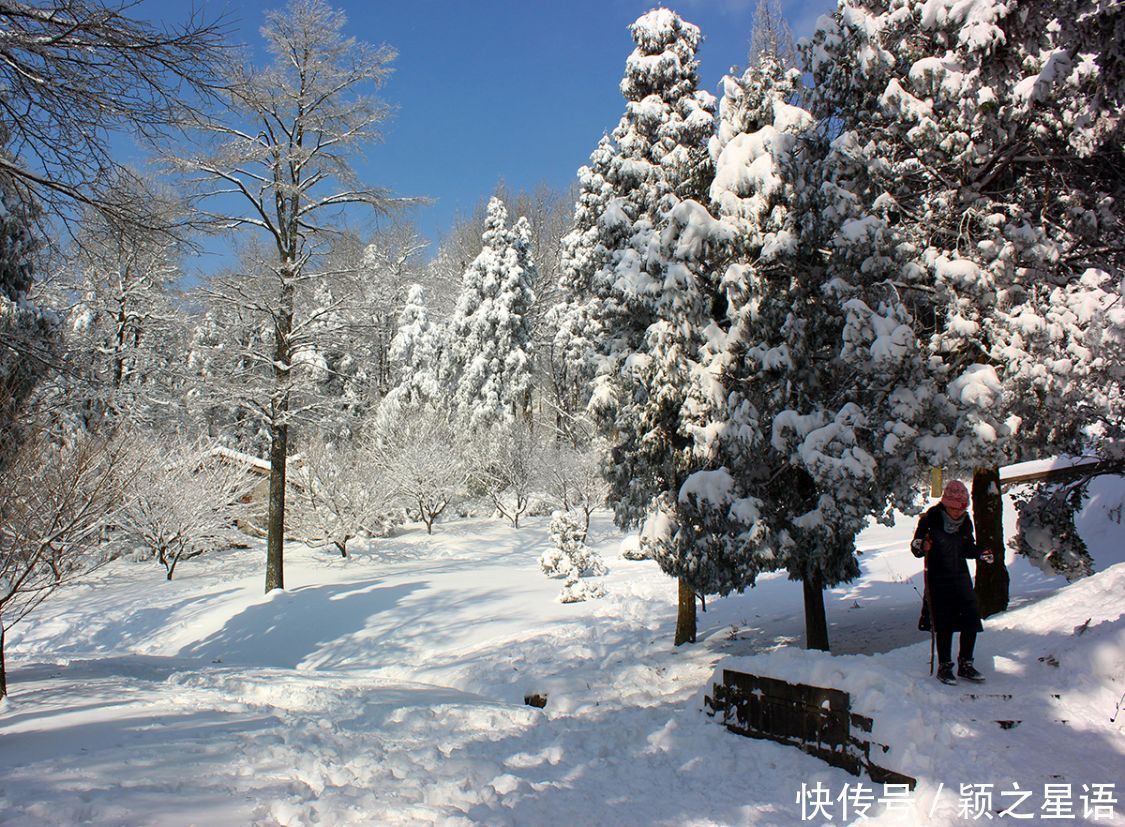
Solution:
(948, 583)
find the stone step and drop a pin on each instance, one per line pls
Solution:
(1010, 710)
(1005, 696)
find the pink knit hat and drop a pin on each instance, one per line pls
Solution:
(956, 495)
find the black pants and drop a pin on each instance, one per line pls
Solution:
(945, 646)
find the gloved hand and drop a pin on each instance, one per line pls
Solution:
(920, 548)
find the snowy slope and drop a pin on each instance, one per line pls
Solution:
(388, 689)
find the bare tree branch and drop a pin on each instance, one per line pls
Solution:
(75, 71)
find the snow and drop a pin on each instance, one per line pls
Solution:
(1056, 64)
(976, 18)
(934, 73)
(389, 688)
(1022, 470)
(978, 386)
(746, 166)
(747, 169)
(713, 487)
(791, 119)
(855, 230)
(961, 273)
(239, 457)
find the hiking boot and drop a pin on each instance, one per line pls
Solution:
(966, 670)
(945, 673)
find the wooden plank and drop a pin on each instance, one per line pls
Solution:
(817, 720)
(1060, 473)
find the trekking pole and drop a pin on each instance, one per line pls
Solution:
(926, 608)
(930, 606)
(933, 641)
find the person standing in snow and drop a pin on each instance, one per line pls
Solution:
(945, 538)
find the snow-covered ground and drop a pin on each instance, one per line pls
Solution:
(388, 689)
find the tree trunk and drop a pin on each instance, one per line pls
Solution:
(988, 519)
(3, 668)
(816, 621)
(279, 437)
(685, 618)
(275, 519)
(119, 347)
(341, 547)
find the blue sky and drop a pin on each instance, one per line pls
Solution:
(486, 90)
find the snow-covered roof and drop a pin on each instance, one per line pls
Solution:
(256, 463)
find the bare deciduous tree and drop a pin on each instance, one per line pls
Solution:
(279, 162)
(55, 502)
(340, 495)
(419, 455)
(574, 479)
(508, 467)
(771, 36)
(73, 72)
(122, 343)
(184, 502)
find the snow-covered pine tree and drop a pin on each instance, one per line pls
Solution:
(1061, 305)
(754, 196)
(391, 263)
(816, 356)
(577, 318)
(658, 299)
(415, 354)
(1046, 532)
(980, 148)
(487, 368)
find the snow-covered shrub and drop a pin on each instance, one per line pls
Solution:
(566, 540)
(1045, 529)
(571, 558)
(631, 548)
(554, 562)
(576, 591)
